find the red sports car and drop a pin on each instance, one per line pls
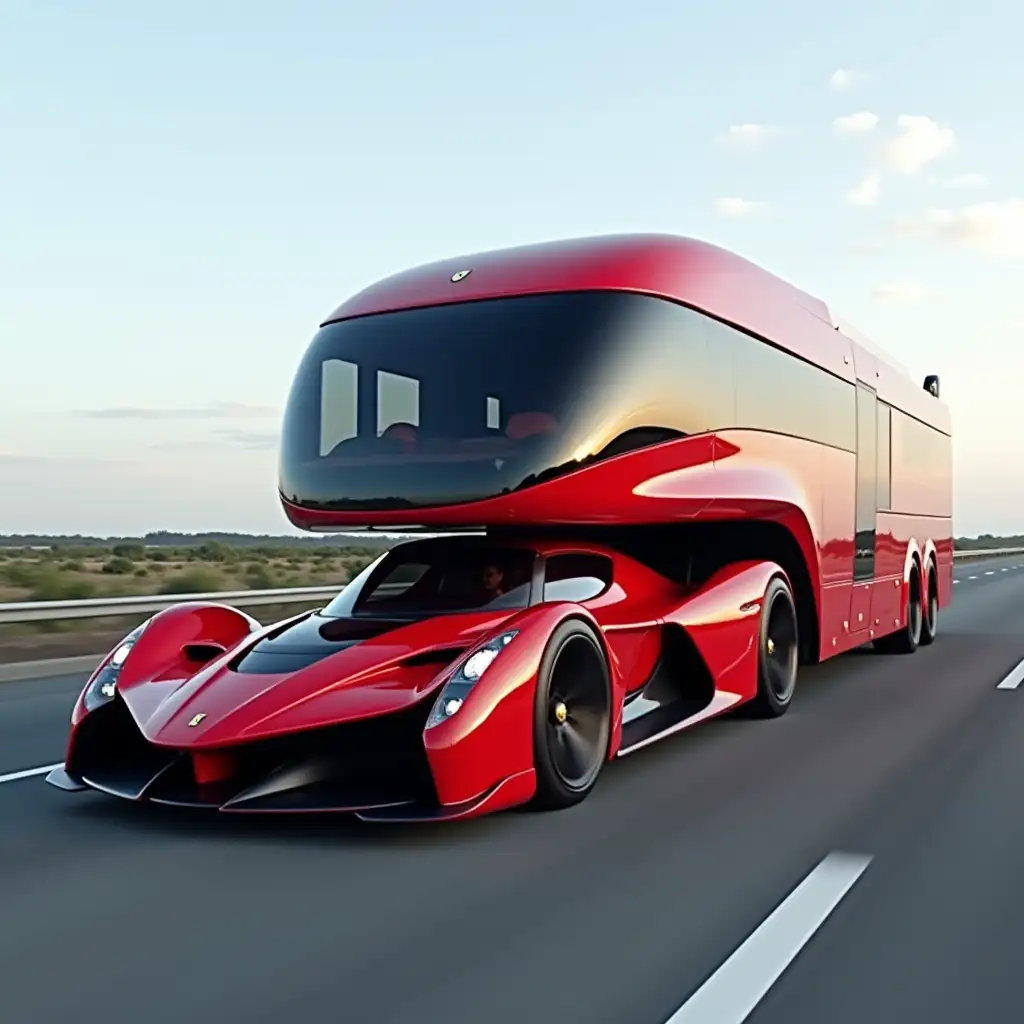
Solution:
(454, 676)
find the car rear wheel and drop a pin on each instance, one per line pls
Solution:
(778, 657)
(572, 716)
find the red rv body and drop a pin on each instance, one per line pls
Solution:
(687, 474)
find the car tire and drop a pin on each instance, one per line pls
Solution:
(572, 716)
(778, 652)
(907, 639)
(930, 618)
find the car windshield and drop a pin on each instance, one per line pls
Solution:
(437, 579)
(449, 403)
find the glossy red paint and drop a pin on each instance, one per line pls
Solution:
(803, 493)
(491, 737)
(722, 620)
(158, 662)
(212, 767)
(685, 270)
(361, 682)
(514, 791)
(482, 758)
(739, 474)
(566, 500)
(690, 271)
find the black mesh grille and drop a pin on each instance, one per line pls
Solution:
(376, 762)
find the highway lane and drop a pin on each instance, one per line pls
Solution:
(34, 713)
(618, 910)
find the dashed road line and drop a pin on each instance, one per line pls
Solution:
(1013, 679)
(734, 990)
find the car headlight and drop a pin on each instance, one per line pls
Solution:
(103, 685)
(465, 677)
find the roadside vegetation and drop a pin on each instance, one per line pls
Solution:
(74, 572)
(76, 569)
(40, 568)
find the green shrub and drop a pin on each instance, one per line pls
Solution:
(20, 573)
(118, 566)
(51, 584)
(259, 577)
(194, 581)
(129, 551)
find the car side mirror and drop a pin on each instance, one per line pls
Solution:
(931, 384)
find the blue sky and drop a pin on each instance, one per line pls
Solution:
(185, 190)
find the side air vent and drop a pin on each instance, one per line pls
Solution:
(201, 653)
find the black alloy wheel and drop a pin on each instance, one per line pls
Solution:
(572, 715)
(778, 651)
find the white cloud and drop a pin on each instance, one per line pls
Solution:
(971, 180)
(919, 141)
(255, 440)
(867, 191)
(994, 229)
(900, 291)
(844, 79)
(733, 206)
(856, 124)
(748, 136)
(218, 410)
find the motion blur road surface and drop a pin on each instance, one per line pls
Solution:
(634, 908)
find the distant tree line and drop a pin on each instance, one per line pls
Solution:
(168, 539)
(362, 541)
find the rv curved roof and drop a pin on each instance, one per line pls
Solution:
(695, 273)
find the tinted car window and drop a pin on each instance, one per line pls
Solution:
(470, 400)
(576, 577)
(434, 579)
(455, 403)
(777, 391)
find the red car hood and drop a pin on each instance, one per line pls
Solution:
(308, 674)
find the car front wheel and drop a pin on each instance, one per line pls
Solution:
(572, 716)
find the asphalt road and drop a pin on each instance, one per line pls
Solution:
(694, 885)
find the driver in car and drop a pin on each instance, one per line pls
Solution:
(492, 580)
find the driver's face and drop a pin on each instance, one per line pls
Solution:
(492, 577)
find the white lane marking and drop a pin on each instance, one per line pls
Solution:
(29, 772)
(956, 581)
(991, 572)
(972, 577)
(732, 992)
(1004, 570)
(1013, 679)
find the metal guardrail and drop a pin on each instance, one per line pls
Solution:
(979, 553)
(105, 607)
(100, 607)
